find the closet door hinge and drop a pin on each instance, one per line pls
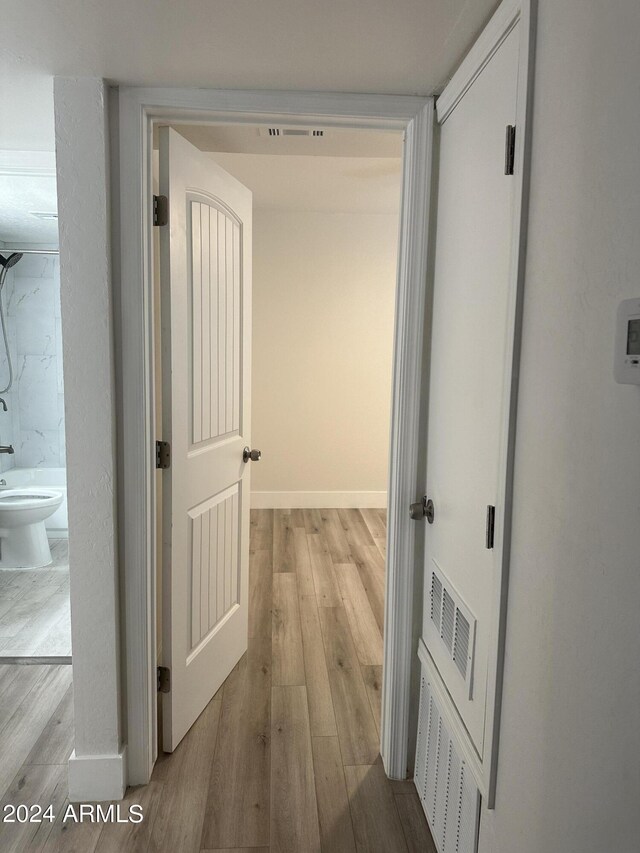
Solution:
(163, 454)
(509, 149)
(490, 526)
(164, 679)
(160, 210)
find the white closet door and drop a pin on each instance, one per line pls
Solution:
(468, 380)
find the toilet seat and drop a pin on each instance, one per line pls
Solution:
(21, 499)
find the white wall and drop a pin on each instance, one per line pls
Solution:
(569, 764)
(97, 767)
(323, 305)
(26, 106)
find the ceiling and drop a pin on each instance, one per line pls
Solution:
(402, 47)
(399, 47)
(28, 187)
(27, 162)
(19, 197)
(318, 184)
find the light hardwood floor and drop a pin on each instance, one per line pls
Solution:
(285, 757)
(35, 620)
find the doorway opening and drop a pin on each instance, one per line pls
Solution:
(35, 620)
(35, 623)
(325, 227)
(414, 117)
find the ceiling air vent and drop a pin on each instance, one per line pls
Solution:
(291, 131)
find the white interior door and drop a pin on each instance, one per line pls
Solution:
(206, 346)
(468, 382)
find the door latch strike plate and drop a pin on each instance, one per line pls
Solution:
(163, 454)
(160, 210)
(164, 679)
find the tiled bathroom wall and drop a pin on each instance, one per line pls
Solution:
(34, 422)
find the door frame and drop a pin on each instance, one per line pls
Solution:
(134, 114)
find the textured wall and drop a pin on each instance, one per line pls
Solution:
(569, 764)
(82, 157)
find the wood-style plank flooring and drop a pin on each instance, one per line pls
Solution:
(35, 618)
(285, 757)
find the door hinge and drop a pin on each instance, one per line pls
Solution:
(491, 526)
(509, 149)
(160, 210)
(163, 454)
(164, 679)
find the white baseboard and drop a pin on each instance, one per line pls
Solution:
(318, 500)
(95, 778)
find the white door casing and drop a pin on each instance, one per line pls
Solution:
(136, 111)
(206, 358)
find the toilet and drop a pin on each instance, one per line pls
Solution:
(23, 536)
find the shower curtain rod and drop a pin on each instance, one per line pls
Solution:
(30, 251)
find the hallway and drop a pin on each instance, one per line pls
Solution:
(285, 758)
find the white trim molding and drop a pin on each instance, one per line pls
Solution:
(138, 109)
(507, 15)
(96, 778)
(318, 500)
(401, 594)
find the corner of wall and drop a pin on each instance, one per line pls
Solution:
(82, 151)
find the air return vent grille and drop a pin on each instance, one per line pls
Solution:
(292, 131)
(436, 600)
(446, 787)
(454, 624)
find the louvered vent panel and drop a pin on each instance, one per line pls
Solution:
(452, 812)
(423, 737)
(454, 623)
(447, 790)
(430, 779)
(436, 599)
(448, 619)
(461, 643)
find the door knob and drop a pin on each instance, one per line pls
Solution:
(422, 509)
(249, 455)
